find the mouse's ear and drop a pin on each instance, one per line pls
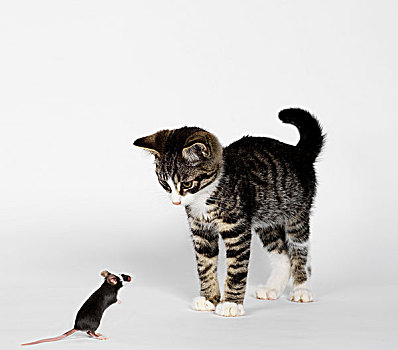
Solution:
(105, 273)
(112, 280)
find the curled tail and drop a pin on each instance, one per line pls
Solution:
(52, 339)
(311, 137)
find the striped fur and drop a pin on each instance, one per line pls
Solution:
(256, 184)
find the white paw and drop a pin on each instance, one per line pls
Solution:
(301, 295)
(202, 304)
(228, 309)
(266, 293)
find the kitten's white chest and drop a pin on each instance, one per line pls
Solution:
(199, 208)
(197, 204)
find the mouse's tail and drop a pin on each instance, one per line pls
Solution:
(66, 334)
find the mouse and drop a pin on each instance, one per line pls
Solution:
(89, 316)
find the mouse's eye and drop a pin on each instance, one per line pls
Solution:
(186, 185)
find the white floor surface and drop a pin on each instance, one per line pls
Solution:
(150, 318)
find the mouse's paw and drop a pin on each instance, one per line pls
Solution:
(202, 304)
(118, 302)
(97, 335)
(228, 309)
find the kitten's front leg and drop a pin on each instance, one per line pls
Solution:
(206, 249)
(237, 243)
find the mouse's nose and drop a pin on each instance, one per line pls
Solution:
(126, 278)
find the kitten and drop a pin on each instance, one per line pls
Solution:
(256, 184)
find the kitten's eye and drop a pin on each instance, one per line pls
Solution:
(165, 185)
(186, 185)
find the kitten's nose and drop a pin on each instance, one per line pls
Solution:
(177, 203)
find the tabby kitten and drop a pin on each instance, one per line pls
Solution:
(256, 184)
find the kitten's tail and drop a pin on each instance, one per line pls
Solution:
(311, 137)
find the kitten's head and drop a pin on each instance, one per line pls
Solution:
(187, 160)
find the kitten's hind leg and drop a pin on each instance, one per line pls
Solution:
(297, 235)
(273, 239)
(206, 249)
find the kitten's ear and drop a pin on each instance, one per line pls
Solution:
(196, 152)
(153, 143)
(201, 146)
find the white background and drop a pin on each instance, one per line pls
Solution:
(80, 80)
